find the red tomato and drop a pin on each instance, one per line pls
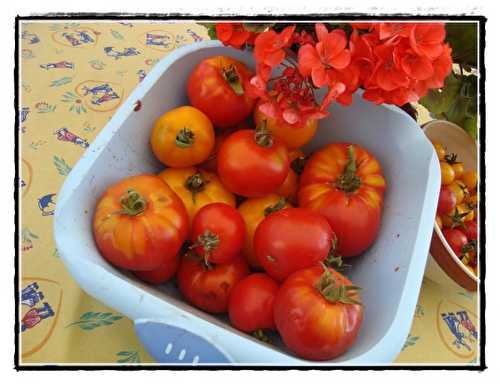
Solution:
(209, 287)
(447, 201)
(251, 303)
(160, 275)
(344, 183)
(315, 319)
(456, 240)
(252, 163)
(470, 230)
(140, 223)
(291, 239)
(217, 87)
(218, 232)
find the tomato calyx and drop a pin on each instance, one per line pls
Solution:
(451, 158)
(468, 253)
(195, 184)
(334, 260)
(298, 164)
(348, 181)
(259, 334)
(275, 207)
(457, 218)
(184, 138)
(209, 241)
(333, 292)
(263, 136)
(132, 203)
(231, 76)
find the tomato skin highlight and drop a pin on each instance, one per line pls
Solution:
(447, 201)
(209, 289)
(311, 326)
(251, 303)
(455, 239)
(249, 169)
(354, 216)
(226, 223)
(209, 91)
(291, 239)
(144, 241)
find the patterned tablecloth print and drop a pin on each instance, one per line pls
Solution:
(73, 77)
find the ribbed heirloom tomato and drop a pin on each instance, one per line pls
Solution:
(291, 239)
(140, 223)
(317, 313)
(344, 183)
(253, 211)
(292, 136)
(218, 233)
(182, 137)
(251, 304)
(208, 286)
(197, 188)
(217, 87)
(253, 163)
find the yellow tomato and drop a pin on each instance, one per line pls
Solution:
(447, 173)
(441, 152)
(463, 208)
(459, 190)
(196, 188)
(470, 180)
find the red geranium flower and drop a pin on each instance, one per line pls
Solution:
(269, 46)
(233, 34)
(391, 29)
(442, 68)
(426, 39)
(329, 53)
(387, 75)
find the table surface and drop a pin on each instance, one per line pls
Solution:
(62, 324)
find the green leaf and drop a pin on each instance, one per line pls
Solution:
(105, 322)
(463, 40)
(114, 318)
(61, 81)
(88, 326)
(124, 353)
(88, 315)
(104, 315)
(62, 167)
(257, 27)
(116, 34)
(210, 30)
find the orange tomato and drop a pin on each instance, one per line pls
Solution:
(447, 173)
(182, 137)
(463, 208)
(292, 136)
(440, 150)
(196, 188)
(253, 211)
(140, 224)
(470, 180)
(290, 186)
(459, 190)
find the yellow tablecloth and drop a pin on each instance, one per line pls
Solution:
(73, 76)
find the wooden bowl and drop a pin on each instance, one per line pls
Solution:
(455, 140)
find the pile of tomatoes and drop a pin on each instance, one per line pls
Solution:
(457, 207)
(243, 221)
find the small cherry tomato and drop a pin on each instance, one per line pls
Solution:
(447, 173)
(440, 150)
(464, 209)
(209, 286)
(470, 180)
(456, 240)
(160, 275)
(196, 188)
(459, 190)
(290, 186)
(447, 201)
(291, 239)
(182, 137)
(253, 211)
(294, 136)
(251, 303)
(218, 233)
(458, 167)
(318, 313)
(253, 163)
(217, 86)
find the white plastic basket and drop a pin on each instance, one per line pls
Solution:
(390, 272)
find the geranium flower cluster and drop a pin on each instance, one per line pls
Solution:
(394, 63)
